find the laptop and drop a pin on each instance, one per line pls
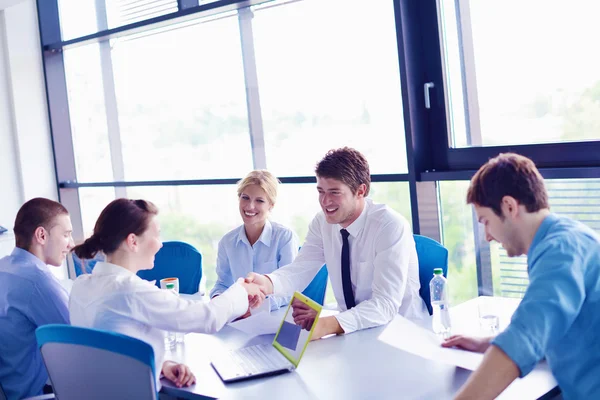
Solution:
(283, 355)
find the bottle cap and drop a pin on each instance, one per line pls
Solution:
(170, 286)
(438, 271)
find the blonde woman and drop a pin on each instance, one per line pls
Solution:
(258, 245)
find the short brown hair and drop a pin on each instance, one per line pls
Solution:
(508, 174)
(118, 219)
(346, 165)
(263, 179)
(33, 214)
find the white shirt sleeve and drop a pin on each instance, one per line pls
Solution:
(298, 275)
(165, 310)
(390, 276)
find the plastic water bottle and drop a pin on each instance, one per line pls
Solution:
(438, 289)
(171, 337)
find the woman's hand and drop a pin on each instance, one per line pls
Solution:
(179, 374)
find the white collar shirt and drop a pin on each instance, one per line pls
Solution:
(115, 299)
(384, 267)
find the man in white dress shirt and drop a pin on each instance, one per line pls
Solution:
(368, 248)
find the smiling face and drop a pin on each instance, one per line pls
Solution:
(148, 244)
(57, 241)
(254, 205)
(337, 201)
(501, 229)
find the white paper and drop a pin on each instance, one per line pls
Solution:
(407, 336)
(261, 322)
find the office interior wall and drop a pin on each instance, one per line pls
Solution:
(33, 143)
(26, 154)
(11, 195)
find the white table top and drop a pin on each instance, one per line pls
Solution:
(354, 366)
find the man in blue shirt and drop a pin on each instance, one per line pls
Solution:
(558, 317)
(30, 296)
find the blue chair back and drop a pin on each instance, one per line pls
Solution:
(431, 255)
(316, 288)
(92, 364)
(85, 266)
(176, 260)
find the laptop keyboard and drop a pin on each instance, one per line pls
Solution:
(258, 359)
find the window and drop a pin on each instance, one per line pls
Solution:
(181, 103)
(179, 100)
(509, 83)
(323, 87)
(87, 111)
(458, 238)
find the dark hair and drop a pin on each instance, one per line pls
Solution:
(346, 165)
(118, 219)
(33, 214)
(508, 174)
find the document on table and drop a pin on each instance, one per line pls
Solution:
(407, 336)
(261, 322)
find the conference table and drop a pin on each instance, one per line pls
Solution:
(374, 363)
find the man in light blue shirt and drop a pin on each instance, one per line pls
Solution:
(558, 317)
(30, 296)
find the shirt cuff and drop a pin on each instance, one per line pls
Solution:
(347, 321)
(235, 298)
(276, 283)
(522, 350)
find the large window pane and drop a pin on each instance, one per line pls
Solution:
(508, 83)
(181, 103)
(87, 113)
(328, 77)
(458, 238)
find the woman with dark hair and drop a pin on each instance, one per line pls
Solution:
(114, 298)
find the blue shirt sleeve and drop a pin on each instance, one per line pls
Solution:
(224, 276)
(49, 303)
(288, 250)
(551, 303)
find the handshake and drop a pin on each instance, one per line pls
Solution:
(258, 287)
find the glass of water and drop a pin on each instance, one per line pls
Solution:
(488, 315)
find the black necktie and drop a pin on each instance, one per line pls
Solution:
(346, 281)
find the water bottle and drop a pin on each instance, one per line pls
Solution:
(438, 289)
(171, 337)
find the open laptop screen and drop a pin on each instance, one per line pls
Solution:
(292, 338)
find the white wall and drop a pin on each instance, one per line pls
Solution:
(11, 196)
(26, 157)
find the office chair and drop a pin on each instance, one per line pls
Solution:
(176, 260)
(316, 288)
(93, 364)
(431, 255)
(85, 266)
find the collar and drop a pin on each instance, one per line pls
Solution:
(105, 268)
(265, 236)
(357, 226)
(542, 231)
(29, 257)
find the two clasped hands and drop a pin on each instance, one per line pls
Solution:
(259, 286)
